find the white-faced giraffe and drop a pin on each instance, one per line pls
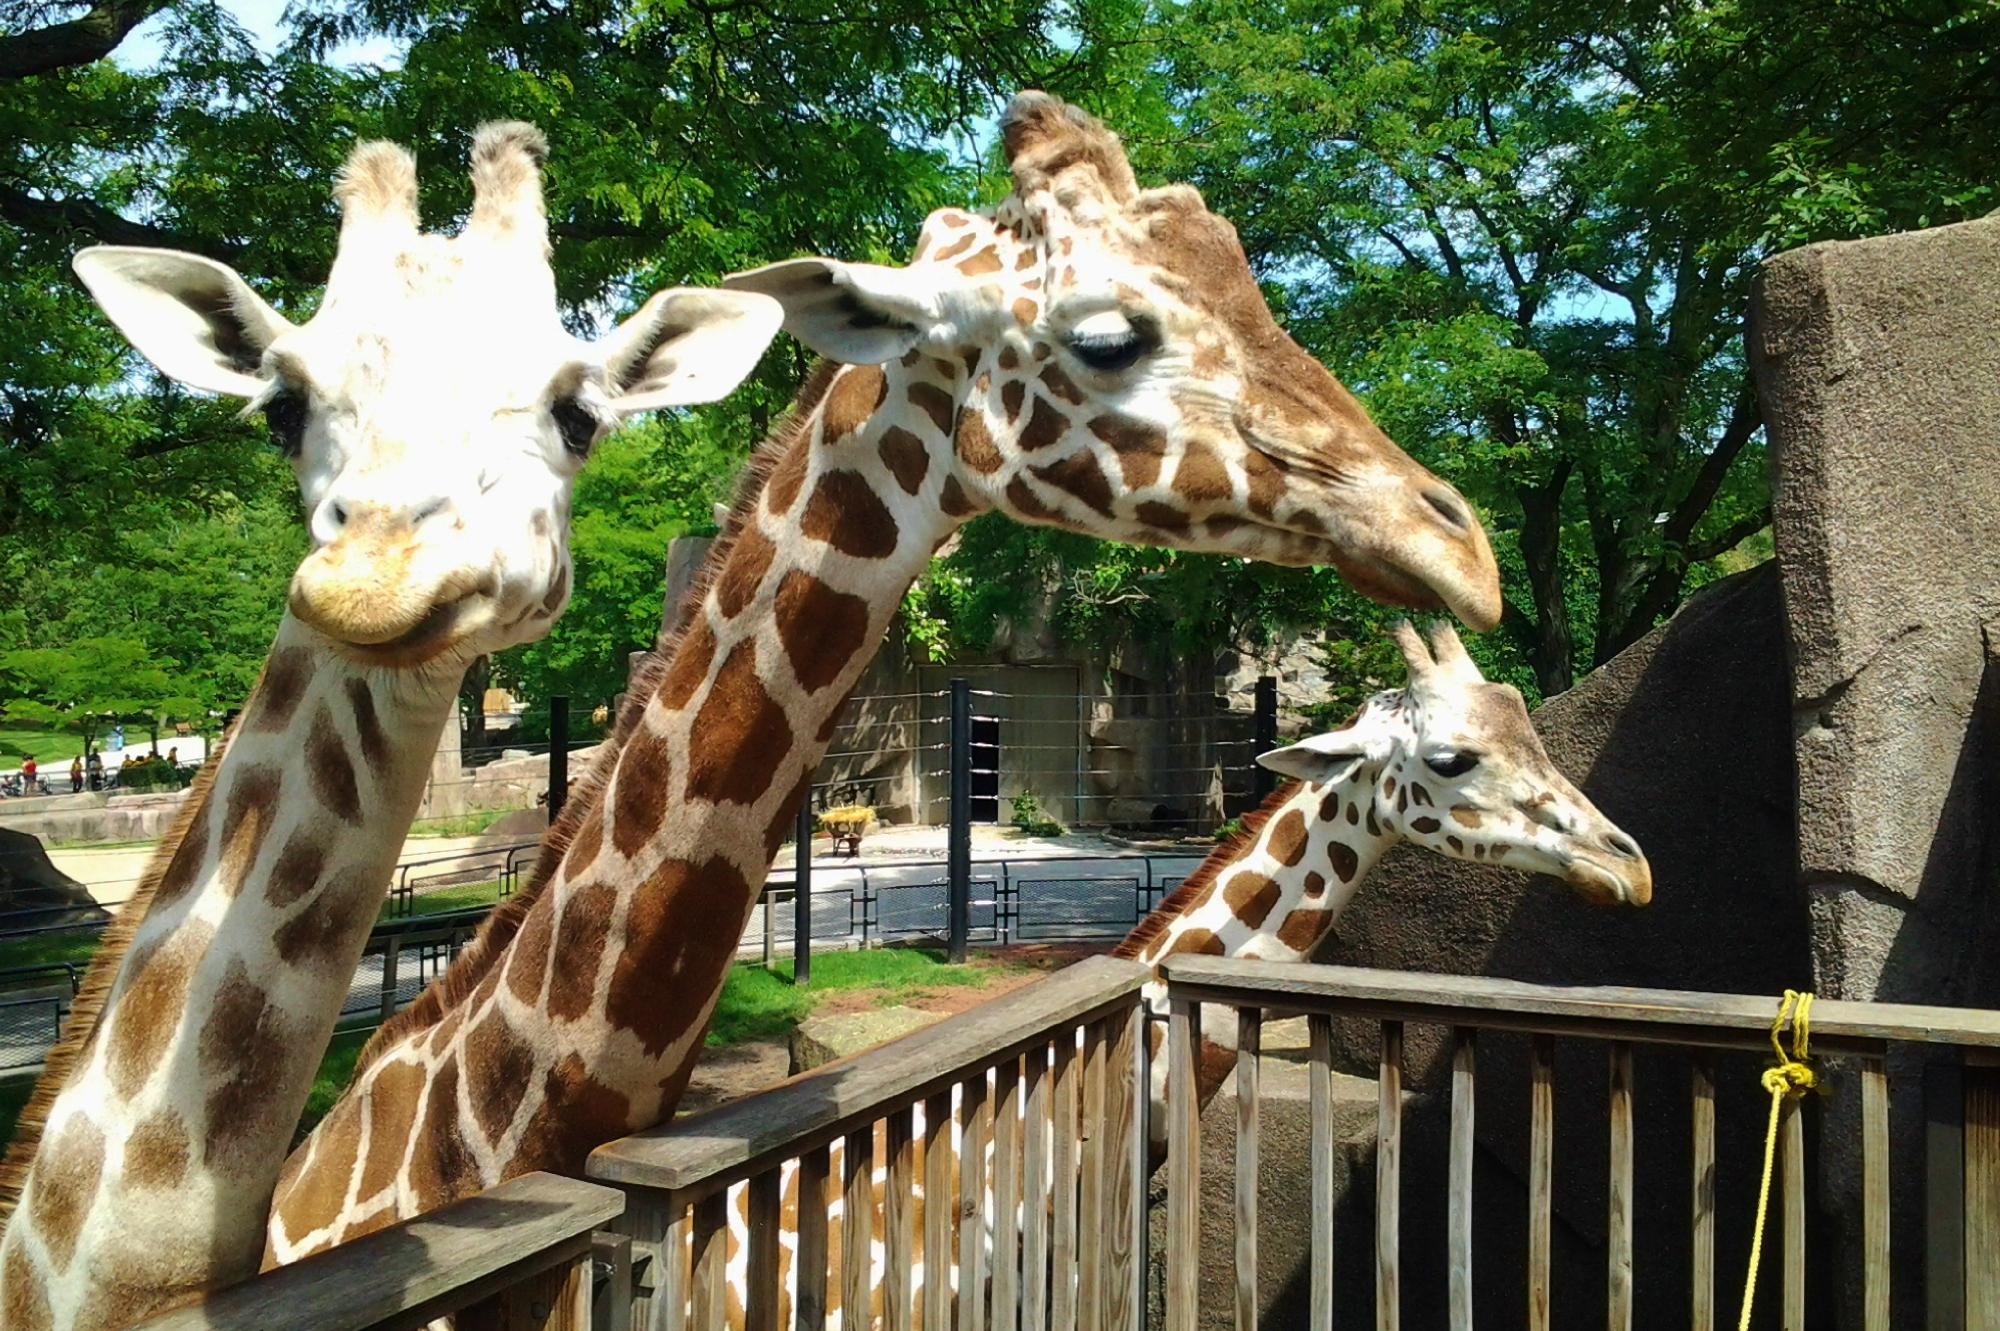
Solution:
(1449, 762)
(435, 412)
(1089, 356)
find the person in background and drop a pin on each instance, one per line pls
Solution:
(28, 770)
(174, 756)
(93, 763)
(76, 774)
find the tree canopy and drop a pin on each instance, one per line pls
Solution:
(1525, 233)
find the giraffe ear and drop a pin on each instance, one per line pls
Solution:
(192, 317)
(684, 347)
(859, 313)
(1317, 759)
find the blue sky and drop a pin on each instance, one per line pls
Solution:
(264, 21)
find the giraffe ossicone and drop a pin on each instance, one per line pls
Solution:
(1086, 355)
(435, 412)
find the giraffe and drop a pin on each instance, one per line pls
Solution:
(1087, 356)
(435, 413)
(1449, 762)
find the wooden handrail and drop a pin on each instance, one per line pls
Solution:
(1669, 1016)
(713, 1149)
(414, 1272)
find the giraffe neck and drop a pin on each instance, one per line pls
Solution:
(1272, 893)
(585, 1024)
(158, 1155)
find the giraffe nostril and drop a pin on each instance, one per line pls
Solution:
(1447, 506)
(1620, 844)
(339, 514)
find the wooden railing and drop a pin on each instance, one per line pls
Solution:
(1035, 1198)
(513, 1258)
(1962, 1202)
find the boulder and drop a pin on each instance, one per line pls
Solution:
(820, 1040)
(36, 894)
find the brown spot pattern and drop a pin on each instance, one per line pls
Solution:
(933, 402)
(1250, 897)
(957, 247)
(245, 1045)
(846, 513)
(585, 924)
(1345, 861)
(1025, 311)
(639, 787)
(1314, 884)
(528, 954)
(787, 478)
(286, 674)
(27, 1303)
(736, 586)
(982, 263)
(246, 820)
(319, 935)
(1267, 482)
(1026, 503)
(1164, 516)
(1079, 474)
(1287, 842)
(65, 1181)
(1058, 384)
(577, 1114)
(1045, 426)
(1465, 815)
(690, 664)
(1197, 940)
(185, 866)
(1423, 826)
(156, 1154)
(147, 1008)
(498, 1065)
(298, 868)
(368, 725)
(1012, 394)
(1301, 930)
(442, 1162)
(823, 630)
(855, 395)
(974, 444)
(1201, 478)
(392, 1109)
(1140, 447)
(1009, 358)
(745, 732)
(680, 936)
(905, 457)
(332, 770)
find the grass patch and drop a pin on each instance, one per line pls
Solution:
(760, 1004)
(20, 738)
(47, 949)
(466, 896)
(463, 824)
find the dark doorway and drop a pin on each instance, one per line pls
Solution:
(985, 769)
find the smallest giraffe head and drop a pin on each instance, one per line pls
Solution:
(1457, 768)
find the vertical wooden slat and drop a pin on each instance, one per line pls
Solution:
(1068, 1075)
(939, 1207)
(658, 1225)
(809, 1261)
(1319, 1083)
(1944, 1197)
(1618, 1230)
(1249, 1052)
(611, 1303)
(1874, 1195)
(1035, 1195)
(1982, 1198)
(857, 1225)
(1541, 1175)
(1183, 1165)
(710, 1274)
(1701, 1256)
(975, 1133)
(1124, 1096)
(558, 1299)
(1090, 1190)
(898, 1221)
(1792, 1145)
(1389, 1180)
(1458, 1219)
(760, 1270)
(1006, 1196)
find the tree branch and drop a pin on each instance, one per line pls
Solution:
(1744, 420)
(61, 216)
(92, 36)
(1730, 537)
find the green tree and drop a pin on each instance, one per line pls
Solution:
(89, 684)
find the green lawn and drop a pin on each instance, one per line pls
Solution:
(464, 824)
(50, 747)
(41, 949)
(760, 1004)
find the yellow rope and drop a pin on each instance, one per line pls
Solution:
(1790, 1078)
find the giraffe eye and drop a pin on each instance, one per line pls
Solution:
(1110, 342)
(285, 417)
(577, 424)
(1449, 763)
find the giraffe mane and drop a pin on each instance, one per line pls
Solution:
(1195, 886)
(86, 1012)
(489, 945)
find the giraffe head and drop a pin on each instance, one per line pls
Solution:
(1457, 768)
(1117, 372)
(434, 408)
